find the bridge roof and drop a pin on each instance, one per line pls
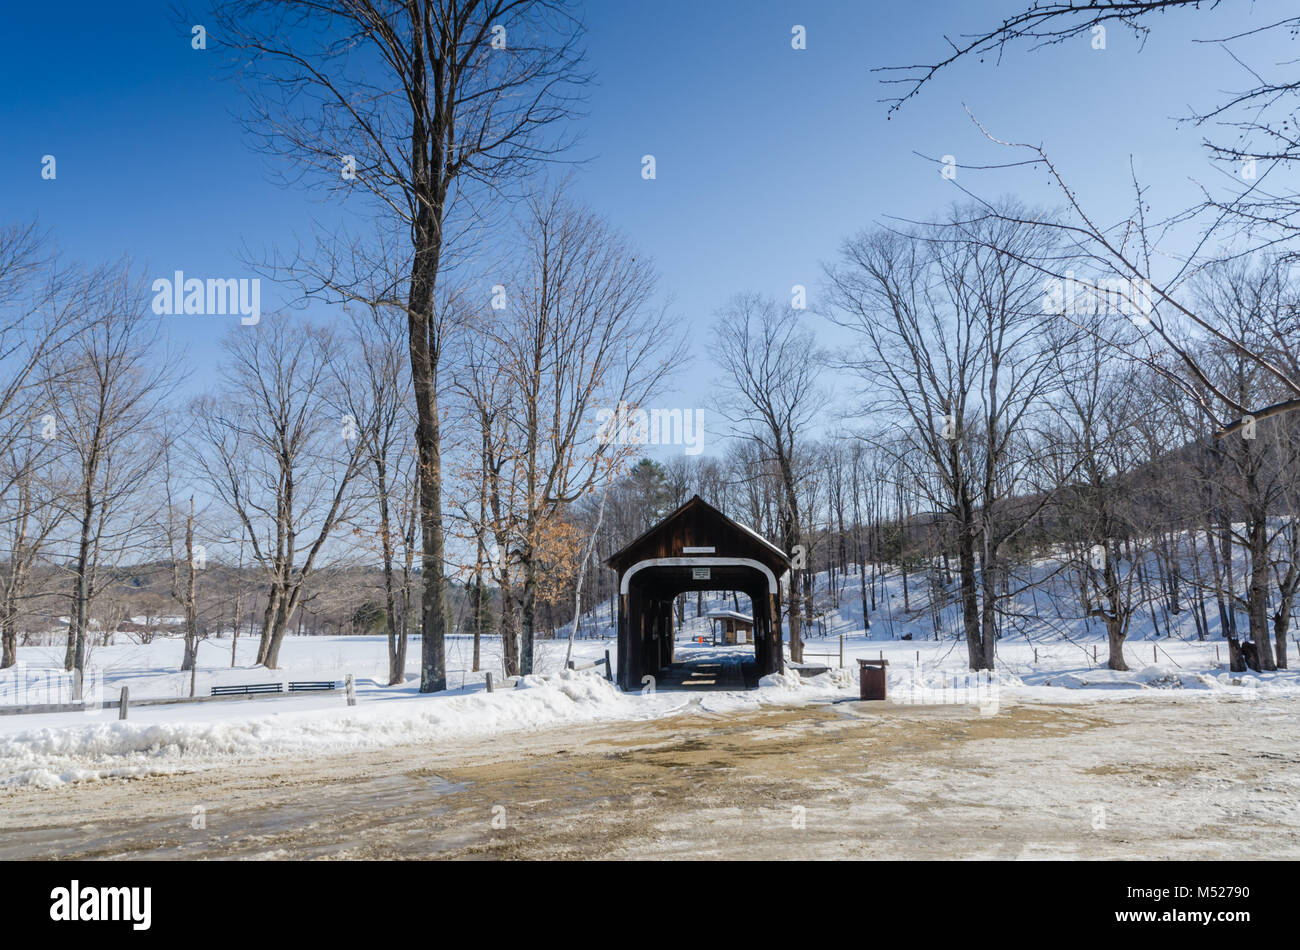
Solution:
(693, 529)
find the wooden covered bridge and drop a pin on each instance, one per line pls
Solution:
(695, 548)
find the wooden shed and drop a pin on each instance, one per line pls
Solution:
(696, 547)
(731, 626)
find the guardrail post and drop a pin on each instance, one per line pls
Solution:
(122, 703)
(352, 692)
(489, 681)
(609, 670)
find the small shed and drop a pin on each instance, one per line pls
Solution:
(733, 626)
(695, 548)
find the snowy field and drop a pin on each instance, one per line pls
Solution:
(1039, 662)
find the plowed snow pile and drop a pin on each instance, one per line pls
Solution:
(53, 756)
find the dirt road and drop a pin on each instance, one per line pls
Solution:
(1140, 779)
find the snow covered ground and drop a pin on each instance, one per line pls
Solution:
(1039, 662)
(50, 749)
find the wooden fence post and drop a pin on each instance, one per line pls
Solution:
(122, 704)
(489, 681)
(352, 691)
(609, 670)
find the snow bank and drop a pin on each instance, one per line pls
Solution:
(787, 680)
(1166, 678)
(56, 756)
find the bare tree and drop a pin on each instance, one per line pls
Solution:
(280, 457)
(1256, 306)
(376, 394)
(423, 106)
(950, 318)
(30, 514)
(106, 407)
(483, 380)
(583, 336)
(1253, 216)
(1258, 118)
(771, 367)
(178, 523)
(1100, 452)
(38, 311)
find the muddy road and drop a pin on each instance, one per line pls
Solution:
(1150, 778)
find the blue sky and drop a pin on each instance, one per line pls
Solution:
(767, 157)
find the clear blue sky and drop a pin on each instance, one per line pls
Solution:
(767, 156)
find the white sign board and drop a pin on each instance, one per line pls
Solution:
(699, 573)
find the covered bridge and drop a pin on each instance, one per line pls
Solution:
(696, 547)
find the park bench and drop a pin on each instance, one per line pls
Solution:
(313, 686)
(247, 689)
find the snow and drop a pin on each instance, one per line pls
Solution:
(49, 750)
(729, 615)
(1046, 655)
(165, 739)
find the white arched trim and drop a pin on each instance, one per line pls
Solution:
(700, 562)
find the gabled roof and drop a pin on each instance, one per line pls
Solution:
(697, 523)
(729, 615)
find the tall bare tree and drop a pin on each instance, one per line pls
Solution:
(1097, 434)
(771, 366)
(427, 107)
(105, 404)
(1255, 304)
(376, 393)
(39, 309)
(484, 382)
(584, 334)
(954, 354)
(280, 457)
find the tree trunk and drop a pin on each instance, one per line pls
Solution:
(966, 574)
(9, 619)
(528, 616)
(988, 611)
(1257, 594)
(273, 597)
(1281, 625)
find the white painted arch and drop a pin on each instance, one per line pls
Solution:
(700, 562)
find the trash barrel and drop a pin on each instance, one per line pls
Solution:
(871, 678)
